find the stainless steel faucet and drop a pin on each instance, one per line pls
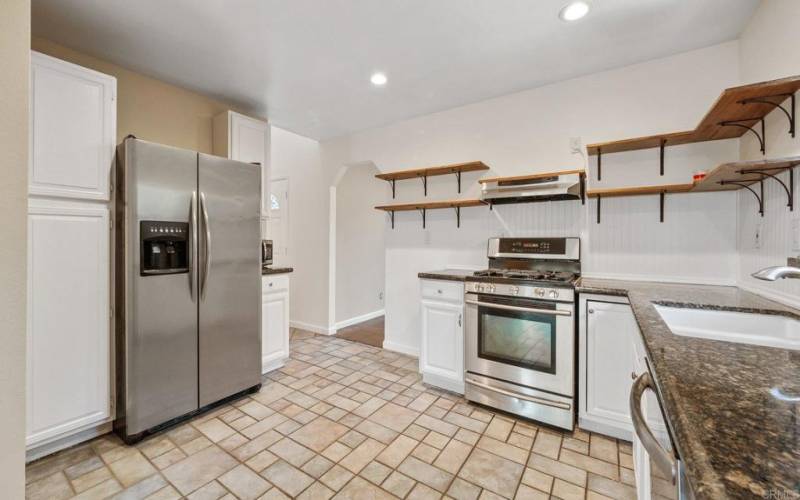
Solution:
(790, 270)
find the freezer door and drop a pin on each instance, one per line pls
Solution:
(229, 277)
(157, 314)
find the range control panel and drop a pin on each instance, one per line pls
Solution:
(542, 248)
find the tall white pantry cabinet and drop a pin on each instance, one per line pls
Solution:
(72, 141)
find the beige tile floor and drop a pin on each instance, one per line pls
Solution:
(350, 421)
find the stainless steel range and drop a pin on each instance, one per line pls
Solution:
(520, 329)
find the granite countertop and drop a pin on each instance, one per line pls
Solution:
(735, 438)
(447, 274)
(275, 270)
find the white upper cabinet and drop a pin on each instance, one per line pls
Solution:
(246, 139)
(73, 130)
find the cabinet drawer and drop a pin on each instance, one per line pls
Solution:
(274, 283)
(443, 290)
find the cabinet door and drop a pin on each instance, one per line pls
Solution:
(442, 353)
(73, 130)
(249, 142)
(609, 363)
(68, 344)
(274, 330)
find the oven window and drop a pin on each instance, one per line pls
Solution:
(517, 338)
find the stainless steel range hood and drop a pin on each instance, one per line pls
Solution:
(532, 189)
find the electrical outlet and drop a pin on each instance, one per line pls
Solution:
(796, 234)
(380, 295)
(575, 145)
(758, 235)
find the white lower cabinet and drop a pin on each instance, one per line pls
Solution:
(441, 359)
(274, 321)
(606, 333)
(68, 346)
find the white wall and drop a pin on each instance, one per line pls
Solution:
(15, 35)
(769, 49)
(360, 245)
(529, 132)
(298, 158)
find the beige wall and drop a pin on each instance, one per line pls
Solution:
(15, 26)
(148, 108)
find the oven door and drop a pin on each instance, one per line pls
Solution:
(523, 341)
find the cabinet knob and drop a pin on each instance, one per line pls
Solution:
(270, 284)
(439, 292)
(591, 311)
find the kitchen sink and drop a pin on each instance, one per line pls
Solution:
(768, 330)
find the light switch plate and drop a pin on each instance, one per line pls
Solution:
(796, 234)
(575, 145)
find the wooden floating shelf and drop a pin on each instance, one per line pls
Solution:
(639, 190)
(735, 111)
(725, 177)
(457, 205)
(520, 178)
(424, 173)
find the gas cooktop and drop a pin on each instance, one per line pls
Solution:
(537, 275)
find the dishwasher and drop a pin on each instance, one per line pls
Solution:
(658, 469)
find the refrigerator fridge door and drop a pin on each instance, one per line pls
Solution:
(156, 313)
(229, 277)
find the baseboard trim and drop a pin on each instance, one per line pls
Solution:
(360, 319)
(38, 451)
(446, 383)
(401, 348)
(272, 365)
(312, 328)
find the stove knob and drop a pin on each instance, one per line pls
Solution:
(491, 288)
(514, 290)
(478, 288)
(553, 294)
(539, 292)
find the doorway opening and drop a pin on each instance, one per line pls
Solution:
(358, 277)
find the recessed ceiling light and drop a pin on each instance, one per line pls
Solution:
(574, 11)
(378, 79)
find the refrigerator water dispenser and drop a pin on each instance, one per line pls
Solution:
(164, 247)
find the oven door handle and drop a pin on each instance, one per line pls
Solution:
(516, 395)
(552, 312)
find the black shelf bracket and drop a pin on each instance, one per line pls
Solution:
(765, 100)
(392, 182)
(661, 162)
(423, 217)
(458, 179)
(424, 178)
(391, 216)
(789, 189)
(599, 164)
(583, 188)
(740, 123)
(458, 216)
(598, 210)
(661, 196)
(759, 197)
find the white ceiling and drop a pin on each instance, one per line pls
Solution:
(306, 63)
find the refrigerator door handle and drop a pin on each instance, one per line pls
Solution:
(206, 245)
(192, 242)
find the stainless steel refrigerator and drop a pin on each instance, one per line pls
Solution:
(188, 283)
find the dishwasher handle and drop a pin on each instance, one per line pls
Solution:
(661, 457)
